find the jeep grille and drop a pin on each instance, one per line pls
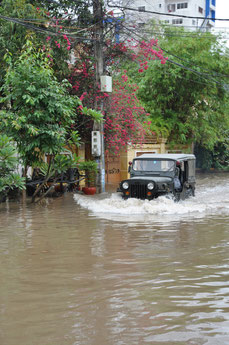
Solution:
(138, 191)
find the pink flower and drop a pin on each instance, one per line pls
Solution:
(82, 96)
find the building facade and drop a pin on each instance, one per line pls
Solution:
(202, 11)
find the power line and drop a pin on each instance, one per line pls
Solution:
(203, 75)
(44, 31)
(174, 34)
(189, 62)
(166, 14)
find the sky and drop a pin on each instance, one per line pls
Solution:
(222, 11)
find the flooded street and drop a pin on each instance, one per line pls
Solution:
(103, 271)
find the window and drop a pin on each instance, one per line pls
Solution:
(153, 165)
(141, 9)
(177, 21)
(166, 21)
(191, 168)
(201, 10)
(159, 5)
(182, 5)
(171, 8)
(193, 22)
(141, 25)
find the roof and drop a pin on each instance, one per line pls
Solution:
(172, 156)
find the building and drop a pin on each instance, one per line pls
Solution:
(202, 11)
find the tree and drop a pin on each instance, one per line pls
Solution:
(39, 113)
(187, 98)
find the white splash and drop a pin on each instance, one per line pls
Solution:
(209, 200)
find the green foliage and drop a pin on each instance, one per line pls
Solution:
(187, 106)
(217, 159)
(60, 163)
(88, 165)
(47, 16)
(13, 36)
(8, 162)
(39, 112)
(80, 10)
(90, 168)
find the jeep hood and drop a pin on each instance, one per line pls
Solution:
(151, 178)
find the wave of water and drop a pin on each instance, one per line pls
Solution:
(212, 198)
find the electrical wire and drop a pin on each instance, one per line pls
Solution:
(166, 14)
(171, 34)
(189, 62)
(45, 31)
(202, 75)
(41, 30)
(57, 25)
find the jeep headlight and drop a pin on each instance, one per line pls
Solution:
(150, 185)
(125, 185)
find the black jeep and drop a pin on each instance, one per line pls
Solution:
(152, 175)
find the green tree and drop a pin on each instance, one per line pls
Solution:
(39, 113)
(186, 97)
(9, 179)
(54, 25)
(13, 35)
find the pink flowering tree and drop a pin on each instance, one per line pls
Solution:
(125, 119)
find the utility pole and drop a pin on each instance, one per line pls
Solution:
(98, 15)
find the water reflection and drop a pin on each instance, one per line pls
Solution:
(71, 275)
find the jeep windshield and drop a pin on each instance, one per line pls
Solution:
(153, 165)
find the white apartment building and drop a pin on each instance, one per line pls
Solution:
(202, 11)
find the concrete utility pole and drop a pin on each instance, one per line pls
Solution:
(98, 15)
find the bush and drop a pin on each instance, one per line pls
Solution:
(9, 179)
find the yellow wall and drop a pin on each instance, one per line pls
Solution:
(133, 152)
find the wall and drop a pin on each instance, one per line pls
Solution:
(152, 145)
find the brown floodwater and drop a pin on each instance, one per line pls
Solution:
(81, 270)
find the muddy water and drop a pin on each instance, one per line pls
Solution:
(103, 271)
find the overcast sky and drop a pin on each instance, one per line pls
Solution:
(222, 11)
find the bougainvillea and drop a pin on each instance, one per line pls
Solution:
(125, 120)
(125, 117)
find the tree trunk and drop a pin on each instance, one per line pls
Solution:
(24, 190)
(46, 193)
(43, 183)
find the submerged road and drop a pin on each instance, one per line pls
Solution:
(99, 270)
